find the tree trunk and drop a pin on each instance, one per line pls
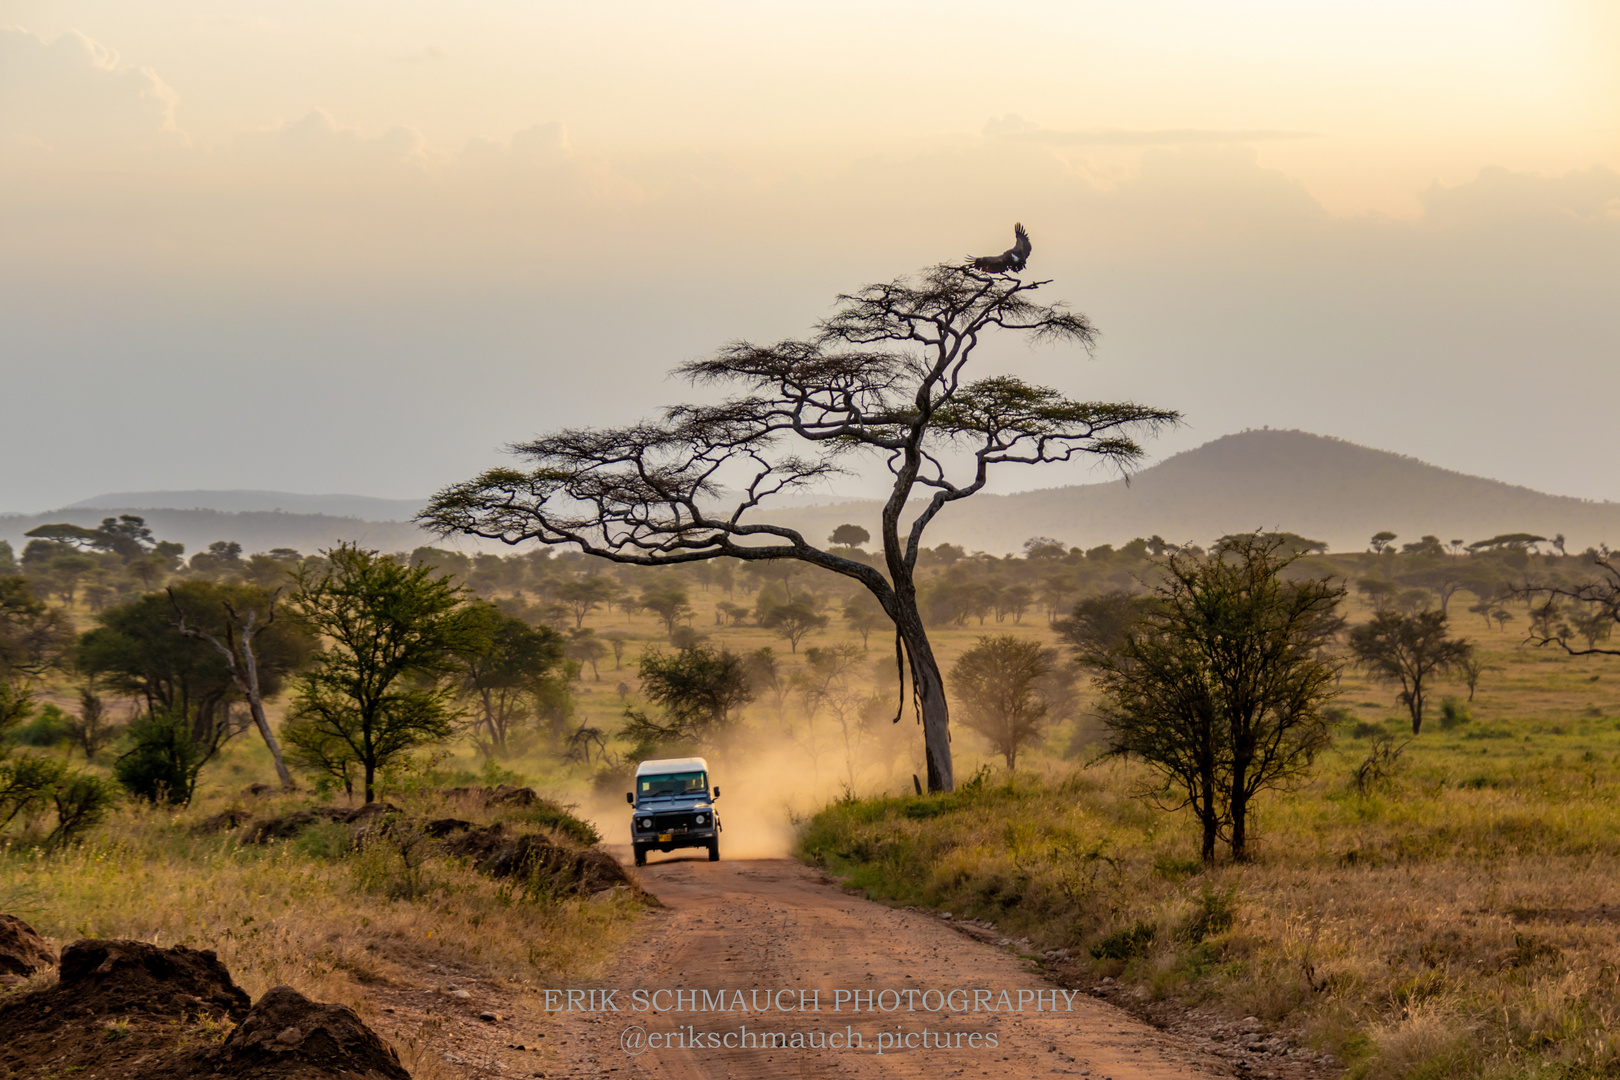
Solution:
(1206, 808)
(1240, 811)
(371, 782)
(250, 663)
(930, 687)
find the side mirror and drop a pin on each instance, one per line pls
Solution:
(630, 798)
(717, 793)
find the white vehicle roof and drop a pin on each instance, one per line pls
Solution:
(672, 765)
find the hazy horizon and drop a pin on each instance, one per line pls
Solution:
(362, 249)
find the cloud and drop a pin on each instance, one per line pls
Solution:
(317, 143)
(1013, 126)
(71, 98)
(1498, 195)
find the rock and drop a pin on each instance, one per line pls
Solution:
(489, 1017)
(287, 1036)
(22, 950)
(442, 827)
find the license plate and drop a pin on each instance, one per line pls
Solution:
(664, 837)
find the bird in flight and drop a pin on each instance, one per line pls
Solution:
(1011, 259)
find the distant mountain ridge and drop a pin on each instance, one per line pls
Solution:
(364, 507)
(1321, 487)
(1325, 488)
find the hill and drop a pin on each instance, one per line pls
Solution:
(1324, 488)
(363, 507)
(255, 530)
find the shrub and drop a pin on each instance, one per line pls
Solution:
(1454, 714)
(1125, 943)
(82, 803)
(49, 728)
(162, 762)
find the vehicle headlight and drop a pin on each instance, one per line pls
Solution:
(701, 818)
(644, 823)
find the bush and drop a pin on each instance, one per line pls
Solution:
(1454, 714)
(49, 728)
(82, 803)
(1215, 914)
(29, 784)
(1125, 943)
(162, 762)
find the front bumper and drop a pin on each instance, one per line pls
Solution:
(669, 835)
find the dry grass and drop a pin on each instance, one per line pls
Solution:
(313, 913)
(1461, 919)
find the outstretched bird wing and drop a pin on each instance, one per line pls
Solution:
(1011, 259)
(1021, 248)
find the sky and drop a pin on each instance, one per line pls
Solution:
(362, 247)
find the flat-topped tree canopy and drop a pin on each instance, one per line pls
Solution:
(883, 378)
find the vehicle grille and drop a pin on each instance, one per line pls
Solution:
(666, 822)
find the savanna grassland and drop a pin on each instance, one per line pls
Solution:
(1453, 913)
(1456, 914)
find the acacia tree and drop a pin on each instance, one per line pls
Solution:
(393, 633)
(884, 378)
(997, 683)
(1219, 682)
(1408, 649)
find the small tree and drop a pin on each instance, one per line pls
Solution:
(668, 603)
(393, 633)
(792, 620)
(849, 536)
(884, 378)
(510, 667)
(997, 684)
(863, 614)
(1219, 685)
(700, 688)
(1408, 649)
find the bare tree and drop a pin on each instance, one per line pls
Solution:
(883, 378)
(237, 648)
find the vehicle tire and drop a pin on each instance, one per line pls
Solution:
(714, 850)
(641, 854)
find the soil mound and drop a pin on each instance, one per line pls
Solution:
(531, 855)
(286, 1036)
(129, 1010)
(22, 950)
(136, 976)
(290, 825)
(120, 1010)
(501, 795)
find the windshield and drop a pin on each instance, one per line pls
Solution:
(683, 783)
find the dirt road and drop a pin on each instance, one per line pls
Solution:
(775, 925)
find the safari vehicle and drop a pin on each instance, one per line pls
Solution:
(674, 808)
